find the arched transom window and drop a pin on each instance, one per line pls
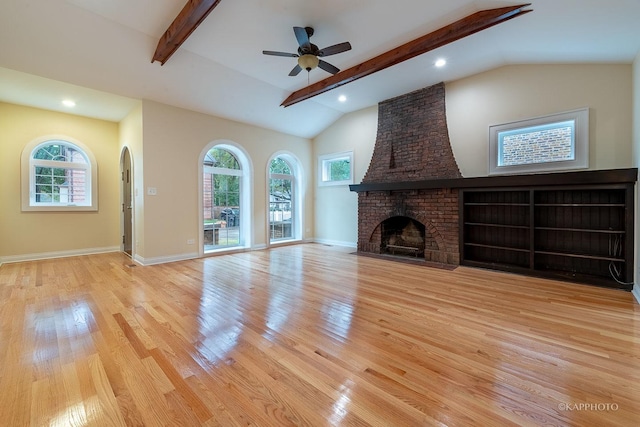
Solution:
(61, 175)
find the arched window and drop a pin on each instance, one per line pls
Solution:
(58, 175)
(222, 199)
(284, 207)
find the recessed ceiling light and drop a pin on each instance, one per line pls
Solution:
(441, 63)
(342, 98)
(68, 103)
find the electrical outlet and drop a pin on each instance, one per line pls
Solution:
(191, 241)
(152, 191)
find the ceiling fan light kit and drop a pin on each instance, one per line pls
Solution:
(462, 28)
(308, 53)
(308, 62)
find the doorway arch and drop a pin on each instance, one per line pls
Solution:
(126, 169)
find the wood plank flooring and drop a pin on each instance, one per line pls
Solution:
(310, 335)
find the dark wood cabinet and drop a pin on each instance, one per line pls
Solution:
(581, 233)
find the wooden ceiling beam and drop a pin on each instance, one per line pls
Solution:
(191, 15)
(448, 34)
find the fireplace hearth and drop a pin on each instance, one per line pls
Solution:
(402, 236)
(412, 145)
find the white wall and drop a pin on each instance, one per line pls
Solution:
(520, 92)
(336, 208)
(174, 139)
(473, 104)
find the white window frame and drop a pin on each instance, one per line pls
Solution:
(294, 177)
(246, 194)
(579, 120)
(324, 168)
(214, 170)
(28, 165)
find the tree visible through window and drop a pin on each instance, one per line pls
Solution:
(281, 207)
(222, 181)
(336, 169)
(60, 175)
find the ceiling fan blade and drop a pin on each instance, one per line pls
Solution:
(336, 48)
(302, 37)
(274, 53)
(327, 67)
(296, 70)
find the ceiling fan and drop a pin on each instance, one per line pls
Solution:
(308, 53)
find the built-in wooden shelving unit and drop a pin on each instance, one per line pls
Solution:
(579, 232)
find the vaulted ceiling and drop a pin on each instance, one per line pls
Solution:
(100, 52)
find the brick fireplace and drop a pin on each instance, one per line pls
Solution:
(395, 215)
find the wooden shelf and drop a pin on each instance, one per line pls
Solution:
(582, 205)
(480, 245)
(498, 204)
(581, 230)
(556, 231)
(583, 256)
(483, 224)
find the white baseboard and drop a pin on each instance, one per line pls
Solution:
(165, 259)
(57, 254)
(636, 292)
(335, 243)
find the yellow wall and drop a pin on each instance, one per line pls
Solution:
(27, 233)
(166, 143)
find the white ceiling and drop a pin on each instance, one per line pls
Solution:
(99, 52)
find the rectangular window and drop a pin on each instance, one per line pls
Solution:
(550, 143)
(335, 169)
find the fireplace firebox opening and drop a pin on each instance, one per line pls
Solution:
(402, 236)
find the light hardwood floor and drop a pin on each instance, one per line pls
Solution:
(310, 335)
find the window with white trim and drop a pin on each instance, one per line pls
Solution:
(550, 143)
(282, 189)
(335, 169)
(222, 185)
(58, 174)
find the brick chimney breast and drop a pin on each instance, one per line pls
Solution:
(412, 143)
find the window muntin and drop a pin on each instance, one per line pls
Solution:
(549, 143)
(335, 169)
(222, 184)
(58, 175)
(281, 200)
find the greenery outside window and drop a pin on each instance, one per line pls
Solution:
(281, 200)
(222, 211)
(335, 169)
(58, 174)
(550, 143)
